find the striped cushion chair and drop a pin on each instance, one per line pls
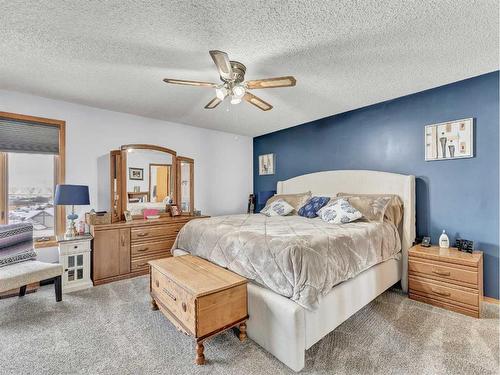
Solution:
(18, 266)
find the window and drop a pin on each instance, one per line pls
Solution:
(31, 164)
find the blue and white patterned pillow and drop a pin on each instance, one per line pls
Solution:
(279, 207)
(340, 212)
(312, 206)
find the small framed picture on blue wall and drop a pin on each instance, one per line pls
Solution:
(266, 164)
(450, 140)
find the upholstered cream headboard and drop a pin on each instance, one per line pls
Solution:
(329, 183)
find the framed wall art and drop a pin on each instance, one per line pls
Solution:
(266, 164)
(136, 174)
(450, 140)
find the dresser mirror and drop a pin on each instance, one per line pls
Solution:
(185, 182)
(148, 178)
(144, 177)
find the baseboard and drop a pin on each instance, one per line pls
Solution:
(491, 300)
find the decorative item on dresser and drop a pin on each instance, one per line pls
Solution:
(74, 256)
(200, 298)
(122, 250)
(447, 278)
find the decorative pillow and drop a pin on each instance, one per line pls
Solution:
(312, 206)
(294, 200)
(372, 208)
(279, 207)
(340, 212)
(13, 234)
(16, 243)
(393, 213)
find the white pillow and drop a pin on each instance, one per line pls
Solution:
(340, 212)
(279, 207)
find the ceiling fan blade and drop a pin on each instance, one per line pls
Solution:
(221, 60)
(189, 83)
(258, 102)
(268, 83)
(213, 103)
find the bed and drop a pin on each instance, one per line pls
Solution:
(285, 320)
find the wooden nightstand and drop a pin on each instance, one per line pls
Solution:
(447, 278)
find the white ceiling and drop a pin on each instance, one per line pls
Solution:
(344, 54)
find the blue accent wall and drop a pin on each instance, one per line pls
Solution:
(460, 195)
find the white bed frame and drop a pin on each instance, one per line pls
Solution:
(286, 329)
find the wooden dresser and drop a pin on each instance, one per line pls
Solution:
(200, 298)
(122, 250)
(447, 278)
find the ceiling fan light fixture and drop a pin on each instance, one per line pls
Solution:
(239, 91)
(235, 100)
(221, 92)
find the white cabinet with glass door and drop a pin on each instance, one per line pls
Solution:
(74, 255)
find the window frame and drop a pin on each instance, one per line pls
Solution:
(59, 175)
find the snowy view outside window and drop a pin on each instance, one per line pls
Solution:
(31, 191)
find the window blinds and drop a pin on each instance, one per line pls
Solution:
(28, 137)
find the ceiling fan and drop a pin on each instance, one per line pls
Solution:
(232, 75)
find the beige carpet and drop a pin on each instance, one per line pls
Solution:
(111, 330)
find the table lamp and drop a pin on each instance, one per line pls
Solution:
(71, 195)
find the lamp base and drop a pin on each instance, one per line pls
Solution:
(71, 230)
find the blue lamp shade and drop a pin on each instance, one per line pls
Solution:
(68, 195)
(263, 196)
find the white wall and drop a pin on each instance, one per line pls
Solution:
(223, 161)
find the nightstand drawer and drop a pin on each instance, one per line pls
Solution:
(75, 247)
(462, 275)
(444, 292)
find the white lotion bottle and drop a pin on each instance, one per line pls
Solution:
(444, 241)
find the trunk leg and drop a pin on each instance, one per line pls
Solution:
(200, 357)
(243, 331)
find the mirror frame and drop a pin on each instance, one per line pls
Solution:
(124, 174)
(183, 159)
(115, 166)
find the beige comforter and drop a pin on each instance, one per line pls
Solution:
(296, 257)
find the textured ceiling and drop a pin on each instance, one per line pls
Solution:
(344, 54)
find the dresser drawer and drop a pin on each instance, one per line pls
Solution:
(444, 292)
(446, 272)
(178, 302)
(141, 249)
(138, 264)
(148, 233)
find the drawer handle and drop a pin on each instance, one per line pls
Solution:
(184, 307)
(157, 284)
(169, 294)
(143, 249)
(142, 234)
(440, 293)
(441, 273)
